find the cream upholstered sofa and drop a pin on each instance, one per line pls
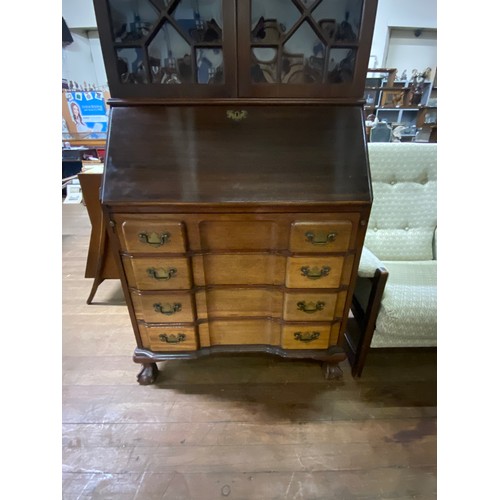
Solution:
(395, 300)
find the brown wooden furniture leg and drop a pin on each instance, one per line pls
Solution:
(95, 285)
(331, 368)
(148, 374)
(99, 277)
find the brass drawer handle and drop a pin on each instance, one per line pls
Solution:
(169, 309)
(306, 336)
(154, 239)
(172, 338)
(321, 239)
(162, 274)
(315, 273)
(310, 307)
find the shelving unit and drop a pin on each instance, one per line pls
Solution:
(397, 102)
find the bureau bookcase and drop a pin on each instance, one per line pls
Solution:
(236, 189)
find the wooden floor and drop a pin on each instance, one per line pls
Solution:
(247, 427)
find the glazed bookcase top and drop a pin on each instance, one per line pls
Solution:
(228, 48)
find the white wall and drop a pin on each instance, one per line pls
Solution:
(79, 14)
(82, 60)
(77, 61)
(399, 14)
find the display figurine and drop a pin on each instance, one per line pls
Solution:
(397, 99)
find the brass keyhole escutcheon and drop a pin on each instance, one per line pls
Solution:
(237, 116)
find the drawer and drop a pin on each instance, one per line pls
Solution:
(309, 306)
(238, 302)
(305, 336)
(166, 273)
(163, 307)
(138, 235)
(333, 236)
(314, 272)
(242, 235)
(240, 269)
(308, 336)
(243, 332)
(169, 338)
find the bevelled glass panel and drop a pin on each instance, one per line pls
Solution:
(264, 67)
(210, 66)
(272, 20)
(130, 65)
(303, 58)
(339, 20)
(170, 57)
(132, 20)
(341, 65)
(200, 20)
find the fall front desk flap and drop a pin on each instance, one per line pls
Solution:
(222, 154)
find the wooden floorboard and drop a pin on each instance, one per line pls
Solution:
(238, 427)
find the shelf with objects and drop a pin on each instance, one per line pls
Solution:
(397, 101)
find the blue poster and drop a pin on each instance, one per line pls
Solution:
(89, 113)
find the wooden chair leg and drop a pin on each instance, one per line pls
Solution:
(103, 244)
(95, 285)
(357, 349)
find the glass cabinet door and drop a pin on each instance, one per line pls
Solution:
(304, 48)
(168, 48)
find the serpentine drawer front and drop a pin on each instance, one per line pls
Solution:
(267, 280)
(320, 236)
(164, 307)
(307, 306)
(150, 236)
(158, 273)
(308, 336)
(169, 338)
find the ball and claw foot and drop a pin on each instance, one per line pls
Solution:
(332, 371)
(148, 374)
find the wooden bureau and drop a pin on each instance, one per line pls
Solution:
(236, 189)
(226, 246)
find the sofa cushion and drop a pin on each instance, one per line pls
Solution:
(408, 313)
(404, 211)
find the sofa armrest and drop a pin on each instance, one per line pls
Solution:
(368, 264)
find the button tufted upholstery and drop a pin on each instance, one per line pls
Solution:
(400, 240)
(404, 212)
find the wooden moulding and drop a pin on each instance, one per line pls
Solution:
(329, 358)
